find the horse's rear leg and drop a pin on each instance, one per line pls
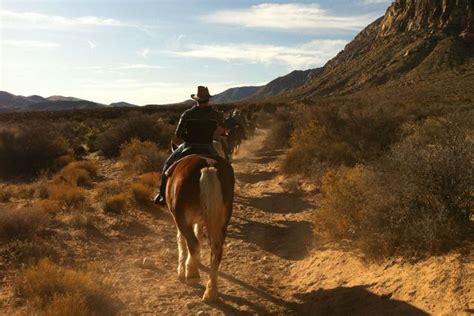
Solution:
(193, 261)
(216, 243)
(199, 233)
(182, 254)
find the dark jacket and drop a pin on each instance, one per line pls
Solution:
(198, 124)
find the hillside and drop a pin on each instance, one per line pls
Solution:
(293, 80)
(418, 46)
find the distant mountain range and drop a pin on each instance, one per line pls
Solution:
(10, 102)
(293, 80)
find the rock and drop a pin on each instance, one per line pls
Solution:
(203, 313)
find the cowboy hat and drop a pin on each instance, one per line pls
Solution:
(202, 94)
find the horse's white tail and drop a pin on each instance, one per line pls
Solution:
(212, 204)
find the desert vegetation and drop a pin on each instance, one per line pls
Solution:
(393, 180)
(64, 185)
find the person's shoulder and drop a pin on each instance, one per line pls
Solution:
(189, 111)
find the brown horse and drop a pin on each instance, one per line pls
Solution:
(200, 193)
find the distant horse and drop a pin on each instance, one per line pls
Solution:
(235, 137)
(200, 193)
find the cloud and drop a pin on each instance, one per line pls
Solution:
(144, 52)
(44, 21)
(313, 53)
(118, 68)
(31, 44)
(136, 66)
(288, 16)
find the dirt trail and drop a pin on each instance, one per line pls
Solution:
(269, 265)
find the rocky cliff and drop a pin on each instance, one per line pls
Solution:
(451, 16)
(417, 43)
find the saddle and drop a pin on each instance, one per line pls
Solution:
(202, 150)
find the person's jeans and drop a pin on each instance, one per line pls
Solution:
(183, 150)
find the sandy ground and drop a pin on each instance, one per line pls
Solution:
(270, 265)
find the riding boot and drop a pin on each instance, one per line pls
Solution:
(176, 155)
(161, 197)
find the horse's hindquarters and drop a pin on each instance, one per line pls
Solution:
(200, 190)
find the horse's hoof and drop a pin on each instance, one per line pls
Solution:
(193, 277)
(209, 297)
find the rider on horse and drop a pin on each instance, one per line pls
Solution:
(197, 127)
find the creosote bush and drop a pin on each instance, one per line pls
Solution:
(141, 194)
(55, 290)
(135, 126)
(416, 201)
(115, 203)
(108, 188)
(331, 136)
(142, 157)
(151, 179)
(22, 223)
(30, 149)
(78, 173)
(68, 195)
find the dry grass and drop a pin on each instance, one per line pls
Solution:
(416, 201)
(151, 179)
(60, 291)
(141, 195)
(108, 188)
(115, 203)
(29, 150)
(5, 194)
(22, 223)
(70, 196)
(141, 157)
(49, 206)
(28, 252)
(78, 173)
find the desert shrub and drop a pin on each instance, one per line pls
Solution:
(5, 194)
(28, 252)
(150, 179)
(49, 206)
(281, 128)
(330, 136)
(78, 173)
(141, 157)
(312, 150)
(29, 150)
(141, 194)
(416, 201)
(115, 203)
(141, 127)
(108, 188)
(53, 289)
(21, 223)
(70, 196)
(343, 203)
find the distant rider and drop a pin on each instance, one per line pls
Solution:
(197, 127)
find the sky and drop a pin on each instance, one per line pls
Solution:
(159, 51)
